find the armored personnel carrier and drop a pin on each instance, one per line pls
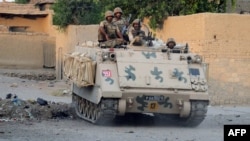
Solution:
(110, 82)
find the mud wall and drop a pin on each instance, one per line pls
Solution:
(28, 16)
(32, 47)
(25, 50)
(31, 25)
(226, 49)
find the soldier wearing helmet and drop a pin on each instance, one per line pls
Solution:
(136, 35)
(171, 43)
(108, 30)
(120, 21)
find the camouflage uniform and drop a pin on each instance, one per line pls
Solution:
(111, 30)
(120, 22)
(136, 36)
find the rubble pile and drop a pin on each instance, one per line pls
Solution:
(13, 108)
(32, 76)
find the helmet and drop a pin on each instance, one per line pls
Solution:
(136, 21)
(117, 9)
(171, 40)
(108, 13)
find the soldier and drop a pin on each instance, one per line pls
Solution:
(120, 22)
(171, 43)
(136, 35)
(108, 30)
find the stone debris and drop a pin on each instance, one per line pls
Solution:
(15, 109)
(130, 132)
(8, 96)
(51, 84)
(33, 76)
(66, 92)
(42, 102)
(16, 101)
(14, 85)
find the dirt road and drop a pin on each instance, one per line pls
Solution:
(128, 128)
(139, 129)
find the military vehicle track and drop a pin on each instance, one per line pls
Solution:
(197, 114)
(106, 111)
(96, 113)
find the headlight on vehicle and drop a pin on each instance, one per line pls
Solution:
(182, 58)
(105, 55)
(197, 59)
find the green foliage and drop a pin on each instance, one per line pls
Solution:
(92, 11)
(75, 12)
(22, 1)
(159, 10)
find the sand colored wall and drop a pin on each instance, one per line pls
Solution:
(33, 25)
(37, 42)
(227, 49)
(20, 50)
(80, 34)
(228, 40)
(183, 28)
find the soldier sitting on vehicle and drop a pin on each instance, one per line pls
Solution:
(120, 22)
(108, 32)
(136, 35)
(180, 48)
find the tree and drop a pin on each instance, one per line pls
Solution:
(75, 12)
(92, 11)
(22, 1)
(158, 10)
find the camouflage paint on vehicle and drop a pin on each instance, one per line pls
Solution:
(133, 79)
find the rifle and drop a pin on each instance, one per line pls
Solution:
(125, 28)
(149, 39)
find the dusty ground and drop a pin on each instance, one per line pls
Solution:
(144, 128)
(56, 120)
(33, 96)
(31, 85)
